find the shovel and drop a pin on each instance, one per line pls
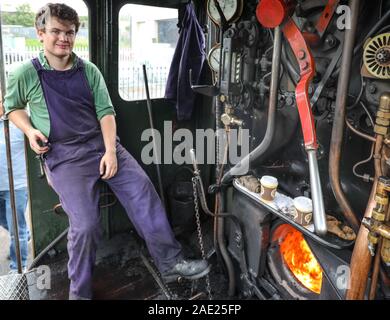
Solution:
(12, 286)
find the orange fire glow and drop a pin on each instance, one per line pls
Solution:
(301, 261)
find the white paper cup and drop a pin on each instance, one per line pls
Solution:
(269, 185)
(303, 210)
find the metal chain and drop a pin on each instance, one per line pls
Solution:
(195, 181)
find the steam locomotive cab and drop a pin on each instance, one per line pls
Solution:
(277, 174)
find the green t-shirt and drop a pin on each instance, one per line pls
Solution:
(24, 89)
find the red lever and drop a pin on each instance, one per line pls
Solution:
(326, 16)
(314, 38)
(272, 13)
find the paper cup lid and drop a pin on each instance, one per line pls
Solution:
(303, 204)
(269, 181)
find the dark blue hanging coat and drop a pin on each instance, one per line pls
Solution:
(189, 54)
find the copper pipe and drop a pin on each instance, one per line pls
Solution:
(377, 260)
(339, 118)
(361, 258)
(375, 271)
(378, 156)
(359, 133)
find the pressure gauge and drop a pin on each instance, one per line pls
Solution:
(214, 57)
(232, 9)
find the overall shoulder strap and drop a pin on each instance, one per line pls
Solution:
(80, 63)
(37, 65)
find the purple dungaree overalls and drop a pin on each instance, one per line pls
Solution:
(76, 149)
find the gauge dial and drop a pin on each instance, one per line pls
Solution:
(232, 9)
(214, 57)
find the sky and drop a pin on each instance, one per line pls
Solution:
(78, 5)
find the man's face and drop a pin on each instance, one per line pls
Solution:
(58, 37)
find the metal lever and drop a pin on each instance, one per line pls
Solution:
(316, 193)
(271, 14)
(194, 162)
(41, 166)
(239, 137)
(206, 90)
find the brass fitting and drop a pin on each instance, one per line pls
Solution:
(372, 238)
(382, 121)
(237, 122)
(382, 114)
(376, 224)
(384, 103)
(385, 252)
(379, 215)
(379, 229)
(228, 119)
(383, 230)
(383, 186)
(380, 199)
(378, 129)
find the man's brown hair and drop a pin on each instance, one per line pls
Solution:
(57, 10)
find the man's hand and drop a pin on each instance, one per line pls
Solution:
(37, 141)
(108, 165)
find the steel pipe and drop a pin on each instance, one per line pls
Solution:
(339, 118)
(243, 166)
(219, 226)
(359, 133)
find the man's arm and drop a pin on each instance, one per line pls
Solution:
(108, 164)
(21, 119)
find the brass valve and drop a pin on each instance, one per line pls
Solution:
(377, 225)
(229, 120)
(379, 229)
(382, 121)
(382, 229)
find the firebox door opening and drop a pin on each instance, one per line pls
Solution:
(293, 265)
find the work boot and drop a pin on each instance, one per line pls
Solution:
(189, 269)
